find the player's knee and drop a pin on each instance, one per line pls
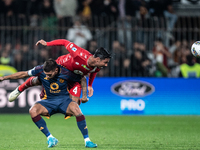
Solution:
(75, 109)
(32, 110)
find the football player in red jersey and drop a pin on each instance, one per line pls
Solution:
(79, 61)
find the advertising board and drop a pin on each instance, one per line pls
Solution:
(121, 96)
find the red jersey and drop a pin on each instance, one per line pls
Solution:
(77, 60)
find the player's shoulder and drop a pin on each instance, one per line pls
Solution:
(76, 48)
(36, 70)
(63, 69)
(39, 67)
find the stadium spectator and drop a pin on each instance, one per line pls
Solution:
(5, 58)
(161, 55)
(84, 10)
(143, 22)
(79, 34)
(170, 15)
(46, 8)
(190, 69)
(92, 46)
(44, 55)
(27, 56)
(65, 11)
(54, 79)
(33, 12)
(49, 20)
(117, 59)
(5, 67)
(140, 64)
(18, 62)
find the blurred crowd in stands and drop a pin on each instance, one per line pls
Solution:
(140, 34)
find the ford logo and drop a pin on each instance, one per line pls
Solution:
(132, 88)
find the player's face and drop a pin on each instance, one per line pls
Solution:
(51, 74)
(103, 63)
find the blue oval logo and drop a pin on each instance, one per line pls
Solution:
(132, 88)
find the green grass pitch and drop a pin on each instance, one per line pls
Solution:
(18, 132)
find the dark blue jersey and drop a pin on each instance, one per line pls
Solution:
(57, 86)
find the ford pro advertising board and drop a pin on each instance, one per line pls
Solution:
(121, 96)
(144, 96)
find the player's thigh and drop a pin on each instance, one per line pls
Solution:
(74, 109)
(38, 109)
(74, 98)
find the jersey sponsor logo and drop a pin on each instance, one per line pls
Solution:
(78, 72)
(71, 45)
(74, 49)
(132, 88)
(54, 88)
(84, 66)
(61, 80)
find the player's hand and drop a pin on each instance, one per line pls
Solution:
(84, 99)
(90, 91)
(1, 79)
(43, 42)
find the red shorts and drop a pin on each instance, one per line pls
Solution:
(74, 88)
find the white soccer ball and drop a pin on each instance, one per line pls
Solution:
(195, 49)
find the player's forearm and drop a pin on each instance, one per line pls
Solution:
(84, 87)
(59, 42)
(91, 78)
(18, 75)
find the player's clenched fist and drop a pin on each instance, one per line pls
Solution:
(43, 42)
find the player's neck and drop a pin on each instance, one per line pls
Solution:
(91, 62)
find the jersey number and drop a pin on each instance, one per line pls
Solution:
(75, 90)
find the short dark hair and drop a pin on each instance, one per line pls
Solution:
(102, 53)
(50, 65)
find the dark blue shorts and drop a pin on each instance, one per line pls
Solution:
(57, 105)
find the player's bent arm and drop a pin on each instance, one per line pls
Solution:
(18, 75)
(59, 42)
(90, 91)
(84, 90)
(91, 79)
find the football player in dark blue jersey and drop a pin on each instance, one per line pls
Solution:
(54, 79)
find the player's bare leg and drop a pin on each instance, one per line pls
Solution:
(36, 111)
(73, 108)
(32, 81)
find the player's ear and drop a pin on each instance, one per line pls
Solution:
(98, 59)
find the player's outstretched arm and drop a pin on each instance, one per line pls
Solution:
(42, 42)
(84, 98)
(18, 75)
